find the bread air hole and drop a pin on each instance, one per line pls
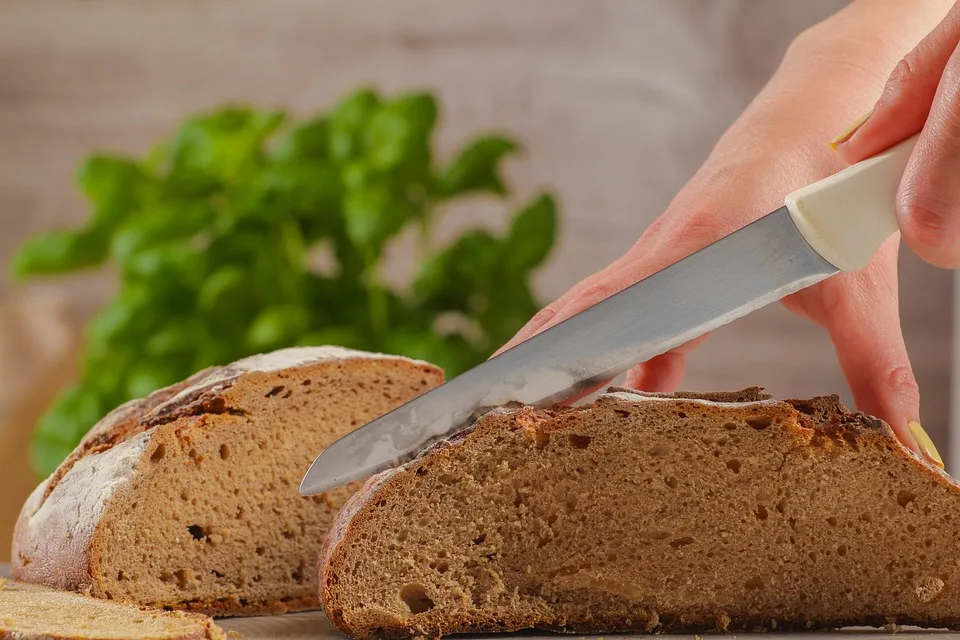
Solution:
(733, 465)
(761, 513)
(158, 453)
(416, 599)
(760, 422)
(905, 497)
(579, 442)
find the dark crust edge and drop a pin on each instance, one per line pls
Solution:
(122, 423)
(826, 416)
(715, 623)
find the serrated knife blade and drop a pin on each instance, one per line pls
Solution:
(746, 270)
(844, 217)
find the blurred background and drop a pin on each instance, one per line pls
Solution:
(418, 155)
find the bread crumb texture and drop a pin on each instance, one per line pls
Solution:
(652, 513)
(29, 612)
(189, 499)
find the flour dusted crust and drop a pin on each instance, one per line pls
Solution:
(817, 428)
(55, 531)
(57, 524)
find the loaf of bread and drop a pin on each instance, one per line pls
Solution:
(31, 612)
(189, 498)
(651, 513)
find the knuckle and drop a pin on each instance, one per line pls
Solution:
(901, 382)
(595, 293)
(545, 314)
(904, 73)
(924, 217)
(906, 83)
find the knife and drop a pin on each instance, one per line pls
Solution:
(832, 225)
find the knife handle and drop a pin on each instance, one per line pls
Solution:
(846, 217)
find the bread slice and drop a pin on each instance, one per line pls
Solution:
(189, 498)
(31, 612)
(651, 513)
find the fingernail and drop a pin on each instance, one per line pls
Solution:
(852, 129)
(926, 444)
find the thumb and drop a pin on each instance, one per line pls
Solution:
(922, 95)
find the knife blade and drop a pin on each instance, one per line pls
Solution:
(830, 226)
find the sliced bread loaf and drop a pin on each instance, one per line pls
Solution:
(31, 612)
(651, 513)
(189, 498)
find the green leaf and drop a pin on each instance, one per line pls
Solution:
(177, 337)
(308, 141)
(451, 279)
(398, 134)
(126, 320)
(347, 122)
(215, 148)
(116, 185)
(219, 292)
(373, 216)
(59, 251)
(307, 190)
(160, 225)
(170, 265)
(507, 307)
(531, 236)
(477, 167)
(277, 327)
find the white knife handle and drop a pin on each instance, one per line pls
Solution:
(847, 216)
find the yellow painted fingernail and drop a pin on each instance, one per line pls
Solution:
(926, 444)
(852, 129)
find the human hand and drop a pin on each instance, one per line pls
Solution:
(776, 146)
(922, 94)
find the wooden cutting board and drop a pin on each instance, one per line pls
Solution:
(312, 625)
(315, 626)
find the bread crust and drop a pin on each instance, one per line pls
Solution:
(12, 626)
(819, 423)
(54, 541)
